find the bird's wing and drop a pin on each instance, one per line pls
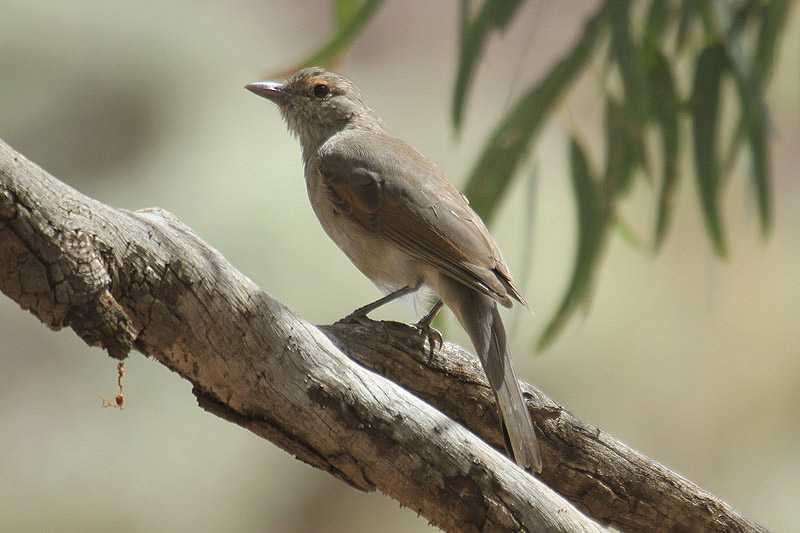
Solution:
(407, 200)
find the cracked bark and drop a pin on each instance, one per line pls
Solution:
(142, 280)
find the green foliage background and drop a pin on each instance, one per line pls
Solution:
(727, 41)
(689, 359)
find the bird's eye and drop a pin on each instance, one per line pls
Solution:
(321, 90)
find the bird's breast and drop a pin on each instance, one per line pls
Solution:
(387, 266)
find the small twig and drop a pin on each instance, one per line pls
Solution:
(119, 399)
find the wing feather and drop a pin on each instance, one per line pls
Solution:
(407, 200)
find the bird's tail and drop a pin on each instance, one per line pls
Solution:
(482, 321)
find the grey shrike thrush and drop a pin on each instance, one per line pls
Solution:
(401, 221)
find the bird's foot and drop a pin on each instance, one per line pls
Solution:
(360, 314)
(433, 336)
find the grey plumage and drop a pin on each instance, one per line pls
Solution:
(401, 221)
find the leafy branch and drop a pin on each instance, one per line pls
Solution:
(726, 42)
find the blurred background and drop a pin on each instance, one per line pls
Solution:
(694, 362)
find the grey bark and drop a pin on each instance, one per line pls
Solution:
(142, 280)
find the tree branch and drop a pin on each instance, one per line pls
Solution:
(142, 280)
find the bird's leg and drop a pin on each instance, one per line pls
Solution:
(362, 312)
(424, 325)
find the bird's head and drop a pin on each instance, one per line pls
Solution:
(316, 104)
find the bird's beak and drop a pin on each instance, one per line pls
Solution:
(270, 90)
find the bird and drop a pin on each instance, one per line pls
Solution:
(400, 220)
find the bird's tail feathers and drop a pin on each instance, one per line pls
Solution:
(481, 318)
(516, 418)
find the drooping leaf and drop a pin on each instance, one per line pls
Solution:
(774, 15)
(711, 65)
(351, 17)
(664, 107)
(754, 124)
(686, 17)
(513, 136)
(760, 162)
(773, 19)
(617, 153)
(729, 24)
(735, 43)
(344, 11)
(463, 19)
(657, 21)
(494, 15)
(624, 149)
(628, 234)
(593, 221)
(624, 51)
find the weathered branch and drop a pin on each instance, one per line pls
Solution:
(605, 478)
(145, 281)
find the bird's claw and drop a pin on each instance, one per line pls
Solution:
(432, 335)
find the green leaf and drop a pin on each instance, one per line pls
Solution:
(628, 234)
(730, 23)
(754, 124)
(493, 15)
(774, 15)
(773, 20)
(664, 106)
(658, 18)
(760, 162)
(347, 29)
(754, 121)
(593, 223)
(511, 139)
(711, 65)
(624, 51)
(624, 150)
(688, 11)
(463, 19)
(344, 11)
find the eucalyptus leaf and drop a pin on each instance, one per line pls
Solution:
(344, 11)
(593, 222)
(628, 234)
(664, 107)
(514, 134)
(711, 64)
(624, 149)
(689, 10)
(348, 28)
(658, 19)
(774, 15)
(647, 45)
(625, 52)
(494, 15)
(754, 125)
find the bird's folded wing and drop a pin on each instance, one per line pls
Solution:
(408, 201)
